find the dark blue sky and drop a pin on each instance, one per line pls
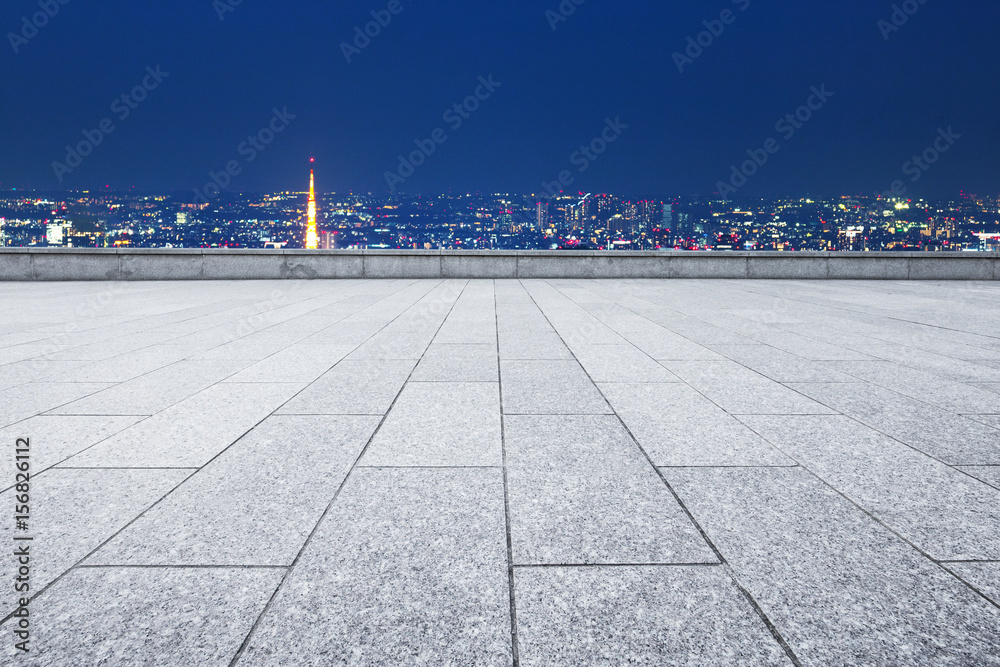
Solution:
(607, 60)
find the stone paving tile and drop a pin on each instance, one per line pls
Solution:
(984, 577)
(449, 362)
(549, 388)
(28, 400)
(532, 345)
(840, 588)
(255, 346)
(73, 512)
(952, 396)
(990, 420)
(989, 474)
(346, 333)
(809, 348)
(989, 386)
(297, 363)
(391, 344)
(125, 367)
(953, 439)
(408, 567)
(55, 438)
(192, 432)
(677, 426)
(353, 387)
(480, 331)
(740, 391)
(937, 508)
(582, 492)
(666, 345)
(441, 424)
(931, 362)
(105, 350)
(156, 391)
(638, 616)
(779, 365)
(620, 363)
(269, 490)
(34, 370)
(158, 617)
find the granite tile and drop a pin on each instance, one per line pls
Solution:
(992, 421)
(953, 439)
(409, 566)
(984, 577)
(638, 616)
(549, 387)
(779, 365)
(29, 400)
(580, 491)
(441, 424)
(989, 474)
(159, 616)
(191, 433)
(840, 588)
(297, 363)
(256, 346)
(34, 370)
(353, 387)
(620, 363)
(126, 367)
(481, 330)
(937, 508)
(666, 345)
(55, 438)
(73, 512)
(112, 347)
(458, 363)
(952, 396)
(349, 333)
(520, 345)
(265, 504)
(677, 426)
(156, 391)
(738, 390)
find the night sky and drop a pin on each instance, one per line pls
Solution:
(607, 60)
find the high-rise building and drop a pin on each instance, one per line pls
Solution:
(312, 239)
(543, 216)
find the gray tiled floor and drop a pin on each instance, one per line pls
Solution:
(496, 472)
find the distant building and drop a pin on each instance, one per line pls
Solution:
(55, 233)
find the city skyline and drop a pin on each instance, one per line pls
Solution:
(586, 221)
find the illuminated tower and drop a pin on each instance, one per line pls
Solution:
(312, 238)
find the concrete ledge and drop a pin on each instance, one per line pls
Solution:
(53, 264)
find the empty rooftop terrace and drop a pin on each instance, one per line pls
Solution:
(498, 472)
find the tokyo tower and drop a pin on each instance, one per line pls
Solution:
(312, 238)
